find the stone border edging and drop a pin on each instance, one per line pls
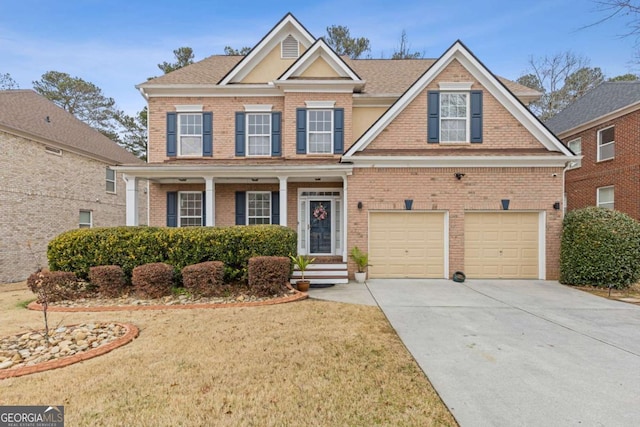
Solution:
(130, 335)
(295, 297)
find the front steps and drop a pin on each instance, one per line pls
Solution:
(323, 273)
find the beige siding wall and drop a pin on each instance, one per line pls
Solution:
(363, 118)
(41, 196)
(271, 67)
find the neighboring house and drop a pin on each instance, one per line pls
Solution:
(55, 175)
(603, 126)
(407, 159)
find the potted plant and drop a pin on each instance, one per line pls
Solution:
(361, 259)
(302, 262)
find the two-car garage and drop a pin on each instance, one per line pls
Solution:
(415, 244)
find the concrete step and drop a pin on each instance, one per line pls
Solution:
(323, 281)
(323, 273)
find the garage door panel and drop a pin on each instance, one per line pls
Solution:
(406, 244)
(501, 244)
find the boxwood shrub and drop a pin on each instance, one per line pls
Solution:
(79, 250)
(600, 247)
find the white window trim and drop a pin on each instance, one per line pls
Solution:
(179, 134)
(467, 118)
(455, 86)
(599, 146)
(115, 176)
(330, 132)
(180, 193)
(323, 105)
(246, 142)
(90, 223)
(189, 109)
(605, 188)
(258, 108)
(249, 193)
(577, 163)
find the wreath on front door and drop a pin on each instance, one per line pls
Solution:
(320, 213)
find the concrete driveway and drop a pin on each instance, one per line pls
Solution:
(520, 353)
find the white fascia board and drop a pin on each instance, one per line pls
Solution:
(319, 50)
(210, 90)
(600, 120)
(459, 161)
(266, 45)
(249, 171)
(339, 86)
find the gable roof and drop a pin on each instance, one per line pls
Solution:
(206, 71)
(605, 99)
(458, 51)
(320, 49)
(30, 114)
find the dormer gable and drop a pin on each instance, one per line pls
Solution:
(276, 52)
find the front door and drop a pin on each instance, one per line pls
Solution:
(320, 218)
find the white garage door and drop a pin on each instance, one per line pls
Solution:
(501, 245)
(406, 244)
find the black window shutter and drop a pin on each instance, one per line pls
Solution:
(338, 131)
(207, 134)
(241, 208)
(433, 116)
(275, 207)
(276, 134)
(172, 208)
(301, 131)
(240, 130)
(204, 208)
(172, 136)
(476, 116)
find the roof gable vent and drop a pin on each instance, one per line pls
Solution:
(290, 47)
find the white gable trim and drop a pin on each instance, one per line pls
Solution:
(485, 78)
(287, 26)
(320, 49)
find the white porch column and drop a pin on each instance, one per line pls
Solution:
(283, 200)
(131, 199)
(210, 201)
(345, 216)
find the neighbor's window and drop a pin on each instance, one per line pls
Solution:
(190, 209)
(320, 131)
(111, 181)
(258, 207)
(454, 122)
(86, 220)
(190, 134)
(576, 146)
(606, 143)
(605, 197)
(259, 134)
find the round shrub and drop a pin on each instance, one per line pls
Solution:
(109, 280)
(600, 247)
(204, 279)
(269, 274)
(51, 286)
(153, 280)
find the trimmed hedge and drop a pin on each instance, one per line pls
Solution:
(55, 286)
(153, 280)
(205, 279)
(600, 247)
(268, 274)
(109, 280)
(129, 247)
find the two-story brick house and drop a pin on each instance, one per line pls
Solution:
(604, 127)
(432, 166)
(56, 174)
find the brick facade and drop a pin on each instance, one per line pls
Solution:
(622, 172)
(41, 195)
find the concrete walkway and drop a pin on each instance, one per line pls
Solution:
(517, 353)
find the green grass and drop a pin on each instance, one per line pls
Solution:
(25, 303)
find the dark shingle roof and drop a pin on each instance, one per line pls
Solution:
(599, 101)
(27, 112)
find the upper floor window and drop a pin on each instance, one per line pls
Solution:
(290, 47)
(575, 145)
(190, 134)
(605, 197)
(320, 131)
(606, 143)
(454, 118)
(86, 219)
(258, 207)
(259, 134)
(190, 209)
(111, 180)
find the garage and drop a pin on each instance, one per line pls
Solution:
(407, 244)
(502, 245)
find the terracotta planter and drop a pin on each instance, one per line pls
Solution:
(303, 285)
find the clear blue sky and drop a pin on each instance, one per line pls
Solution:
(116, 44)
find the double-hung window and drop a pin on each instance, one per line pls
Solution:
(111, 180)
(86, 219)
(454, 117)
(190, 134)
(605, 197)
(575, 145)
(320, 131)
(606, 143)
(259, 134)
(189, 209)
(258, 207)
